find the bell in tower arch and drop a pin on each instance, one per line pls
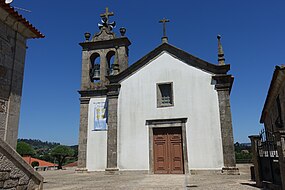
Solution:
(95, 67)
(96, 72)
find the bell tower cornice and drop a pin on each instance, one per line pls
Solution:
(105, 44)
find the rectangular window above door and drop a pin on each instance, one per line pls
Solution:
(165, 94)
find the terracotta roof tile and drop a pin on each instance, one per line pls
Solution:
(20, 18)
(42, 163)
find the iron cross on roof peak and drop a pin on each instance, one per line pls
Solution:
(106, 14)
(164, 21)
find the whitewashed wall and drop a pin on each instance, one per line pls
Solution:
(96, 142)
(194, 98)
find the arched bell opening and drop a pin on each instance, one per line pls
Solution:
(111, 61)
(95, 67)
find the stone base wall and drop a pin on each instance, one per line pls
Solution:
(15, 173)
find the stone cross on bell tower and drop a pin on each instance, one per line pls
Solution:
(107, 14)
(105, 20)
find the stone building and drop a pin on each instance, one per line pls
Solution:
(268, 147)
(15, 30)
(169, 112)
(272, 114)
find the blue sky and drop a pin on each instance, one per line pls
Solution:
(253, 38)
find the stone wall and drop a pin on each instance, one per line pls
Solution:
(15, 173)
(274, 120)
(273, 111)
(12, 60)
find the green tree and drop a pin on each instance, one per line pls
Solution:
(47, 157)
(35, 163)
(25, 149)
(60, 153)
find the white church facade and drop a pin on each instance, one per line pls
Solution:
(168, 113)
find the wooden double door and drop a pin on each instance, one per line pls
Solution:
(168, 151)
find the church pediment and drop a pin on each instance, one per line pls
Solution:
(179, 54)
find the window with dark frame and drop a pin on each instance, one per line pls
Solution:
(164, 95)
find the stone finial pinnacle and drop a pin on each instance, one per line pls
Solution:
(87, 36)
(221, 58)
(123, 31)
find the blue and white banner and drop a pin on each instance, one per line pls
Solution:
(100, 115)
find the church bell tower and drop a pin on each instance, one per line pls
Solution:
(103, 54)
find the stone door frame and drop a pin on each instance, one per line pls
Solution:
(164, 123)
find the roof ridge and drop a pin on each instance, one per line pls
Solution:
(176, 52)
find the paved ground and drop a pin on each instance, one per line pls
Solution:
(69, 180)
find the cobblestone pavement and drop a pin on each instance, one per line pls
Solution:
(69, 180)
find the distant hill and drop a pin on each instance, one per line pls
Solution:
(38, 144)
